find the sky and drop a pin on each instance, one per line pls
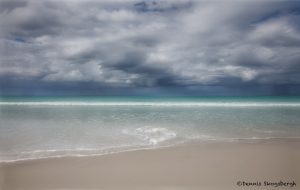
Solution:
(150, 47)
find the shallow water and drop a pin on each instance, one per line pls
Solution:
(50, 126)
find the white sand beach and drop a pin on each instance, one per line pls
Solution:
(210, 166)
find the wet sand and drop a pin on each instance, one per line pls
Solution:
(210, 166)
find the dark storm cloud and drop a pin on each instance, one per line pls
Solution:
(8, 6)
(31, 19)
(162, 6)
(206, 46)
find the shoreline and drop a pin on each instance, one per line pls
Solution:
(191, 166)
(97, 153)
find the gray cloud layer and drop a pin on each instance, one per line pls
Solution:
(151, 43)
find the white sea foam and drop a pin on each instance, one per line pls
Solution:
(159, 104)
(152, 135)
(44, 154)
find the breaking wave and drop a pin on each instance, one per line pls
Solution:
(159, 104)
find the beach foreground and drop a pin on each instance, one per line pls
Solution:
(209, 166)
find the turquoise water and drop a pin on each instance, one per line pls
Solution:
(293, 99)
(36, 127)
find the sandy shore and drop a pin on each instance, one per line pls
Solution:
(214, 166)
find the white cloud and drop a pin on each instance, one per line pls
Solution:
(168, 43)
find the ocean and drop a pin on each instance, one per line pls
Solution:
(41, 127)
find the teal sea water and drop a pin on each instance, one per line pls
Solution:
(39, 127)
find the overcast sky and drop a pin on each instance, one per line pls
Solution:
(162, 47)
